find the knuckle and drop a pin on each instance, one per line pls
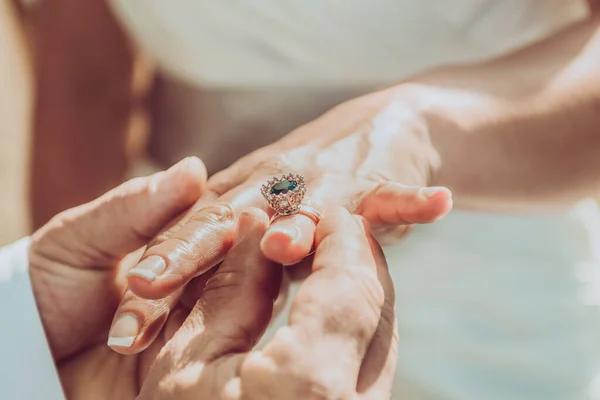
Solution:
(284, 349)
(236, 337)
(167, 233)
(318, 384)
(317, 388)
(358, 308)
(187, 240)
(366, 315)
(222, 181)
(297, 373)
(224, 283)
(214, 213)
(274, 165)
(177, 246)
(161, 237)
(305, 383)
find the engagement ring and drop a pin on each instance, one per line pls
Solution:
(284, 193)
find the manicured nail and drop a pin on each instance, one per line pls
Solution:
(428, 192)
(149, 268)
(124, 331)
(291, 231)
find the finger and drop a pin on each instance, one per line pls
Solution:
(199, 243)
(241, 170)
(393, 204)
(377, 370)
(237, 302)
(194, 289)
(332, 320)
(138, 322)
(106, 229)
(290, 238)
(234, 311)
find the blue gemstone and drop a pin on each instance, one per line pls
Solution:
(283, 187)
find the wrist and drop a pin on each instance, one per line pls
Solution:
(455, 121)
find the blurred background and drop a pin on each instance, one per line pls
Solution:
(15, 124)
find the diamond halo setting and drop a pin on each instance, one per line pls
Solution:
(285, 193)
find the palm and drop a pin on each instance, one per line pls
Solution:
(76, 305)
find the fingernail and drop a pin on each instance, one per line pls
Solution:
(291, 231)
(428, 192)
(149, 268)
(124, 331)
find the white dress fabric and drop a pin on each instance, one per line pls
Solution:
(490, 306)
(27, 370)
(250, 43)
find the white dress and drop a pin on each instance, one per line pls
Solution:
(489, 306)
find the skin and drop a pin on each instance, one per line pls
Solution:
(201, 239)
(379, 151)
(341, 350)
(78, 259)
(529, 120)
(64, 255)
(491, 132)
(77, 262)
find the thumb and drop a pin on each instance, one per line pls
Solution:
(106, 229)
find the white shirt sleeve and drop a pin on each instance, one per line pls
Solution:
(27, 370)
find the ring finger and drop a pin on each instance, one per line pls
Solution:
(290, 238)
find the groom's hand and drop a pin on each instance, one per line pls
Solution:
(75, 258)
(340, 342)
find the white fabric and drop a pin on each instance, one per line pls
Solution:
(490, 307)
(500, 307)
(497, 307)
(27, 370)
(332, 42)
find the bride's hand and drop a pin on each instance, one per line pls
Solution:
(371, 155)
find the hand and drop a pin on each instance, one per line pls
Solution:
(78, 280)
(341, 339)
(371, 156)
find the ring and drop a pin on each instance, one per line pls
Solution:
(284, 193)
(305, 210)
